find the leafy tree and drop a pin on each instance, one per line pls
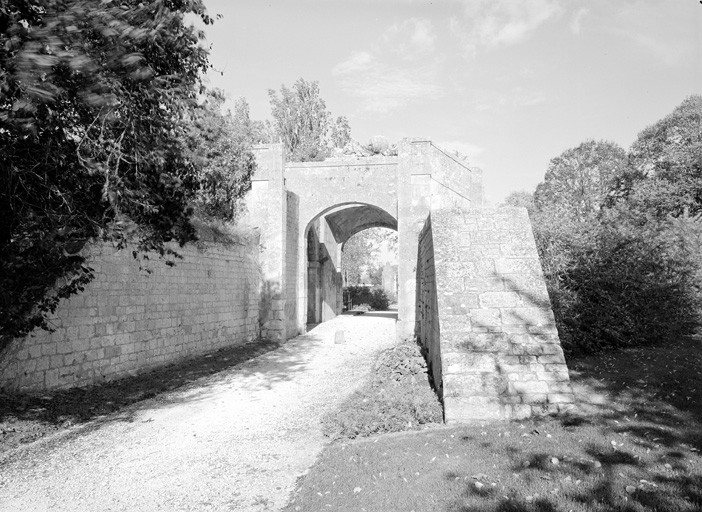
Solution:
(219, 146)
(664, 176)
(340, 132)
(361, 255)
(577, 181)
(93, 103)
(250, 131)
(520, 199)
(301, 120)
(621, 269)
(303, 124)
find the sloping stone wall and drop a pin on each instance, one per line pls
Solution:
(127, 321)
(500, 353)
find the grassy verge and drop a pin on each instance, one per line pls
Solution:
(636, 447)
(26, 417)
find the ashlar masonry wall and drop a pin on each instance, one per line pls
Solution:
(486, 314)
(127, 321)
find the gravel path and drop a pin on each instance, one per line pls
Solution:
(235, 441)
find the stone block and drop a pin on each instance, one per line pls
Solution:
(499, 299)
(560, 398)
(527, 316)
(483, 284)
(477, 362)
(459, 409)
(484, 342)
(520, 411)
(486, 317)
(475, 384)
(528, 387)
(552, 359)
(519, 266)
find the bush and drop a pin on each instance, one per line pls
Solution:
(398, 398)
(621, 279)
(375, 298)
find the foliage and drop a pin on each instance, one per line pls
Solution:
(301, 120)
(398, 398)
(93, 101)
(340, 132)
(520, 199)
(361, 255)
(666, 164)
(578, 180)
(616, 282)
(375, 298)
(628, 273)
(303, 124)
(218, 145)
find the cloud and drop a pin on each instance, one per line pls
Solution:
(397, 69)
(357, 61)
(410, 39)
(486, 23)
(576, 24)
(671, 53)
(516, 97)
(383, 89)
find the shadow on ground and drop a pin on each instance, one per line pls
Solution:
(634, 446)
(25, 418)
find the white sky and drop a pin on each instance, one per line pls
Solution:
(512, 83)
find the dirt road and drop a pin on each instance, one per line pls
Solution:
(237, 440)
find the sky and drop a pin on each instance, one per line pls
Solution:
(510, 83)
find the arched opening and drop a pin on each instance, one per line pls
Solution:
(324, 238)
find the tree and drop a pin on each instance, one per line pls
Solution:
(362, 255)
(93, 103)
(621, 262)
(578, 180)
(664, 176)
(340, 132)
(301, 120)
(248, 130)
(219, 146)
(520, 199)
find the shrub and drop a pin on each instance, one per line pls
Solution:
(621, 279)
(397, 398)
(374, 298)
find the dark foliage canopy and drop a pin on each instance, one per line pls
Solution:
(93, 102)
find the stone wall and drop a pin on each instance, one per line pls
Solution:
(499, 348)
(427, 312)
(127, 321)
(291, 259)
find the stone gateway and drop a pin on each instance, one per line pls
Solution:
(470, 285)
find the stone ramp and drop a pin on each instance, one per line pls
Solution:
(484, 314)
(237, 440)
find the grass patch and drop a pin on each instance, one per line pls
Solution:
(398, 397)
(636, 450)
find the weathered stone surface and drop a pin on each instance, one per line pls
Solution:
(501, 357)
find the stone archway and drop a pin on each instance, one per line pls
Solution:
(325, 237)
(470, 287)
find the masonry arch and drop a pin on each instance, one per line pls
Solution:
(323, 239)
(350, 193)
